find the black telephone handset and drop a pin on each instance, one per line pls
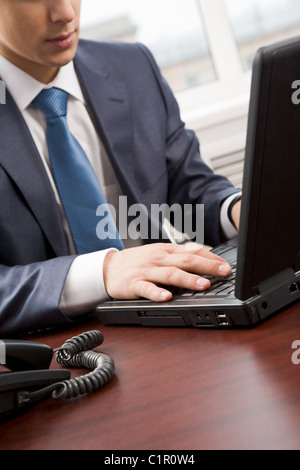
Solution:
(30, 380)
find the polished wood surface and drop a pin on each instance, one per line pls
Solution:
(177, 389)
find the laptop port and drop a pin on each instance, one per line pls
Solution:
(203, 320)
(222, 318)
(222, 322)
(221, 315)
(294, 288)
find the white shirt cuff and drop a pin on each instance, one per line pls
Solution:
(229, 230)
(84, 288)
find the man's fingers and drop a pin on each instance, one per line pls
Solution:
(142, 272)
(200, 265)
(196, 264)
(175, 277)
(151, 291)
(193, 248)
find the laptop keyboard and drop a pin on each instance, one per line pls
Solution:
(222, 287)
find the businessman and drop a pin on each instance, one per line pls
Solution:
(69, 99)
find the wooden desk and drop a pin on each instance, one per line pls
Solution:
(178, 389)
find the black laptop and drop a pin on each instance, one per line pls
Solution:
(266, 257)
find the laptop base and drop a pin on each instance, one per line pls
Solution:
(221, 312)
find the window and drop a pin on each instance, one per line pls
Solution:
(205, 49)
(257, 22)
(172, 29)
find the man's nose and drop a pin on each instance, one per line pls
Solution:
(62, 11)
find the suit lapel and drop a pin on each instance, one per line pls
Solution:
(108, 99)
(21, 160)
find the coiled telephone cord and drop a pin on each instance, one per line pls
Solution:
(76, 352)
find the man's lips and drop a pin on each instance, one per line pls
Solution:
(63, 40)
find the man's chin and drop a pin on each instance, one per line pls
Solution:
(61, 60)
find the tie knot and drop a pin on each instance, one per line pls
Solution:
(52, 102)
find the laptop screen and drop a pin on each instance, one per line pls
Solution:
(270, 221)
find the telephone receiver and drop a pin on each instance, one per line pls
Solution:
(29, 379)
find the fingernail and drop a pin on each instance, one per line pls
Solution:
(224, 269)
(202, 283)
(164, 295)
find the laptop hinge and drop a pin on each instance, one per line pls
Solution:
(280, 279)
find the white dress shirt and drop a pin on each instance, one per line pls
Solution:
(84, 287)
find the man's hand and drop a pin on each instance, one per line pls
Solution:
(142, 271)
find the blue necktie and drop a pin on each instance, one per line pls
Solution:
(75, 179)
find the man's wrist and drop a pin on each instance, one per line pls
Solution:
(237, 198)
(84, 287)
(228, 228)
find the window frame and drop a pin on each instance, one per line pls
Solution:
(229, 93)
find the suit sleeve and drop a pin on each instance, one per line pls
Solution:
(30, 296)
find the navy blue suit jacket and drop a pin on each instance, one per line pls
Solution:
(155, 159)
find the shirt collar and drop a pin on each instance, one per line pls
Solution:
(24, 88)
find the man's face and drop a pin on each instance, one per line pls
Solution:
(39, 36)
